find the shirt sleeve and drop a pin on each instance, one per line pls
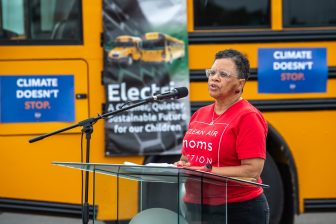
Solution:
(251, 136)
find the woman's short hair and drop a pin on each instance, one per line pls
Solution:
(241, 62)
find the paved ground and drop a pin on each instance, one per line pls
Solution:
(16, 218)
(316, 218)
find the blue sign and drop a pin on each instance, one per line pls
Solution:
(292, 70)
(37, 98)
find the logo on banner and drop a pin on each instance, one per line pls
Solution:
(292, 70)
(38, 98)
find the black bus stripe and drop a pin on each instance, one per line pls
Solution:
(283, 105)
(199, 75)
(261, 36)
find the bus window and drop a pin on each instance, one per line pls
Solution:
(125, 44)
(309, 13)
(12, 18)
(153, 44)
(218, 14)
(44, 21)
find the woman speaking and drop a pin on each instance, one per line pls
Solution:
(227, 138)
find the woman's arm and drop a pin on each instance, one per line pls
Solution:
(250, 168)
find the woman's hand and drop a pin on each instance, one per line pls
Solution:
(183, 162)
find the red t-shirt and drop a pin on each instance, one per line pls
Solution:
(239, 133)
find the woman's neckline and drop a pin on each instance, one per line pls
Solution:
(227, 108)
(213, 119)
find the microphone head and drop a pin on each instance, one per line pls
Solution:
(181, 92)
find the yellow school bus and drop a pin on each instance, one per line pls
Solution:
(159, 47)
(126, 50)
(300, 145)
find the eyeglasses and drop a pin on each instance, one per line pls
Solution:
(222, 74)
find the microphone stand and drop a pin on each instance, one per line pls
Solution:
(87, 125)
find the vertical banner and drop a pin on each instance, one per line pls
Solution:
(292, 70)
(145, 45)
(37, 98)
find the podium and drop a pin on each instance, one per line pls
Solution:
(184, 185)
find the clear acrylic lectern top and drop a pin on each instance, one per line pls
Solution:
(158, 173)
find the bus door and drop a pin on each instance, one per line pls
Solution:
(38, 89)
(44, 87)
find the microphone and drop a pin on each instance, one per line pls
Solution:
(176, 93)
